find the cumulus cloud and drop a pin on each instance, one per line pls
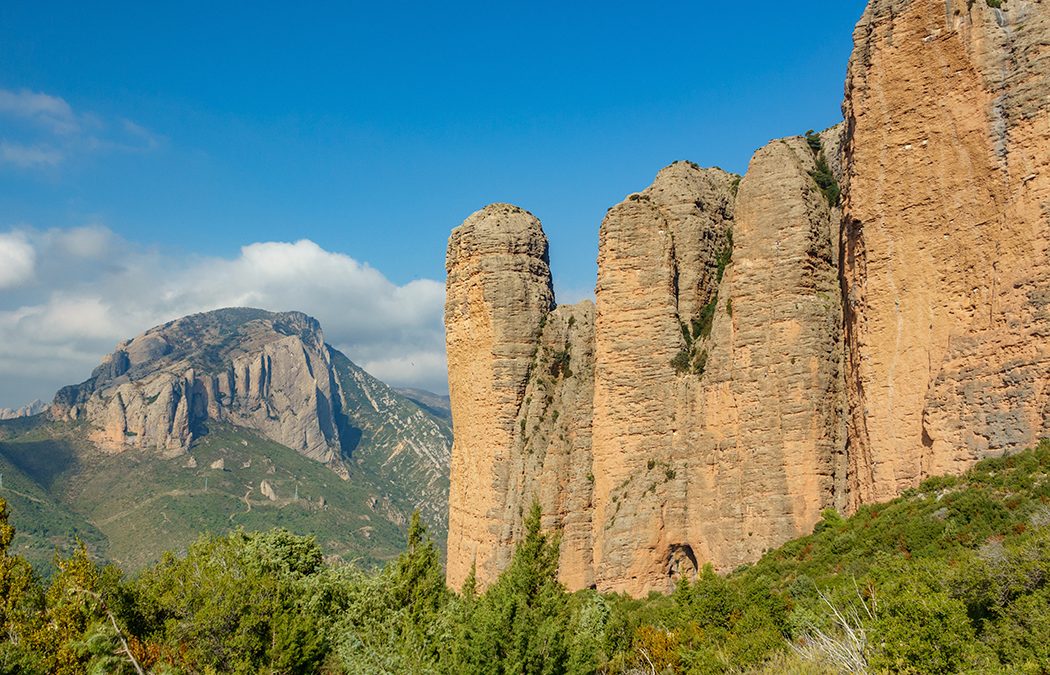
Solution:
(42, 130)
(92, 289)
(17, 260)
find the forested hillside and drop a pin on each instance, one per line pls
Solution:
(952, 577)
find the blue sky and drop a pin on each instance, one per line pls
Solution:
(190, 131)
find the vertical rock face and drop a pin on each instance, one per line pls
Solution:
(657, 269)
(499, 294)
(717, 425)
(945, 238)
(551, 459)
(270, 372)
(762, 350)
(648, 426)
(761, 433)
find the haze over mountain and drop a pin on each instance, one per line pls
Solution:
(34, 407)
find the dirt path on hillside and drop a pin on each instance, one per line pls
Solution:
(171, 493)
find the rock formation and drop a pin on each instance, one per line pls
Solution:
(760, 349)
(945, 238)
(498, 295)
(270, 372)
(274, 374)
(28, 410)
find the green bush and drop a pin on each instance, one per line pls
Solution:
(952, 577)
(822, 175)
(680, 362)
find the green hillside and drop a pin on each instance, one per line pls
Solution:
(953, 577)
(132, 506)
(398, 442)
(30, 468)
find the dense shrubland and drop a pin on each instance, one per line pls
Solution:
(952, 577)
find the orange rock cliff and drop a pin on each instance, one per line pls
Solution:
(760, 348)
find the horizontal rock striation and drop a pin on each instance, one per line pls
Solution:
(646, 424)
(498, 295)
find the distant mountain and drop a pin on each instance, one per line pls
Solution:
(28, 410)
(227, 418)
(438, 404)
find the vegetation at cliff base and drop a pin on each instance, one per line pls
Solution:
(952, 577)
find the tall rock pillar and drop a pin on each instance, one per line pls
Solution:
(498, 296)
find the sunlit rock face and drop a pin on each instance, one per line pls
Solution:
(761, 349)
(945, 236)
(267, 371)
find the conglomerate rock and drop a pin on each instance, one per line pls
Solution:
(945, 238)
(762, 350)
(623, 412)
(499, 293)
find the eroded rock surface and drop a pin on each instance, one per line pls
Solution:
(273, 373)
(266, 371)
(945, 237)
(762, 349)
(634, 422)
(499, 293)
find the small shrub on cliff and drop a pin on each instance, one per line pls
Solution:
(822, 175)
(700, 364)
(680, 362)
(824, 179)
(814, 142)
(560, 364)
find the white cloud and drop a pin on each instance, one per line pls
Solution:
(50, 112)
(29, 156)
(91, 241)
(41, 130)
(17, 260)
(94, 289)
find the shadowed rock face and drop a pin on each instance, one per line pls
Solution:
(551, 460)
(718, 403)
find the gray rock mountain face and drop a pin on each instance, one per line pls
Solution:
(28, 410)
(274, 374)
